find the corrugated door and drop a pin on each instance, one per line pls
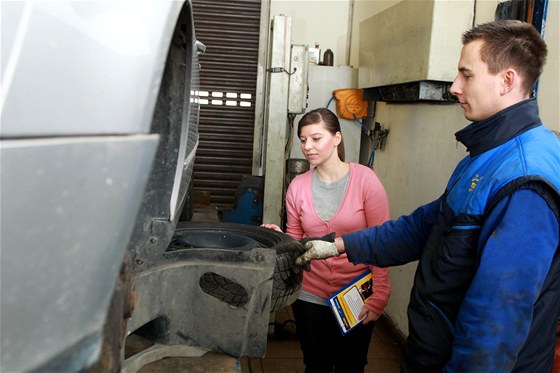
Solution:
(230, 31)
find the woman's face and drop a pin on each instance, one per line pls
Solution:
(318, 144)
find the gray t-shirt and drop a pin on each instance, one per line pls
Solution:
(328, 197)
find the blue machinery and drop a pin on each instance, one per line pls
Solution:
(248, 207)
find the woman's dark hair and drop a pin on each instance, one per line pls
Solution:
(331, 121)
(511, 43)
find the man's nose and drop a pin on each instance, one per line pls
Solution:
(455, 87)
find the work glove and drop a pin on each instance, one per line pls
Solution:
(318, 248)
(300, 247)
(296, 248)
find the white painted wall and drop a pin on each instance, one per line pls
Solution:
(421, 150)
(318, 21)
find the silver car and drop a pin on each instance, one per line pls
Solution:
(99, 117)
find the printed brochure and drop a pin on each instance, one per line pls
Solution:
(348, 301)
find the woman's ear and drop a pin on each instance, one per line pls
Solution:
(338, 138)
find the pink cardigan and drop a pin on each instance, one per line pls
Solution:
(364, 205)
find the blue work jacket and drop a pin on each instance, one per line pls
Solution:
(486, 291)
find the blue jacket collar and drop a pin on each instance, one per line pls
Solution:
(482, 136)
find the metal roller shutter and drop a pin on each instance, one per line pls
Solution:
(230, 31)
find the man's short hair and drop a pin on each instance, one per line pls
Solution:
(511, 43)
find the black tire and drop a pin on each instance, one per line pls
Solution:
(241, 237)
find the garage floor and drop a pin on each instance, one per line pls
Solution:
(283, 354)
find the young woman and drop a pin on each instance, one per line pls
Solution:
(341, 197)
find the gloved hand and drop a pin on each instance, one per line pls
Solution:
(300, 247)
(295, 247)
(317, 249)
(328, 238)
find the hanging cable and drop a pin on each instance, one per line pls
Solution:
(371, 157)
(364, 128)
(328, 103)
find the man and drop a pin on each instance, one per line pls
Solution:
(486, 291)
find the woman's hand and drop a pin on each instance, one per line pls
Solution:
(274, 227)
(368, 315)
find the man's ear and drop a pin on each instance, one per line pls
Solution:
(510, 81)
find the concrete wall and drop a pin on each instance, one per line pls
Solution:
(421, 150)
